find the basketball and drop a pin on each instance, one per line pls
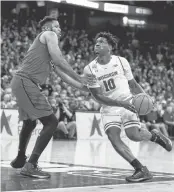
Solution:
(143, 103)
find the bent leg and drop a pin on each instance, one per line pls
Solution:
(25, 135)
(138, 134)
(113, 134)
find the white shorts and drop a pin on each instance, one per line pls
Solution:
(119, 117)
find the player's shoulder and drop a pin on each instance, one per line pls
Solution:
(49, 34)
(92, 64)
(48, 37)
(122, 59)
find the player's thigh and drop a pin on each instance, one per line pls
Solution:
(133, 133)
(130, 119)
(32, 104)
(112, 125)
(111, 120)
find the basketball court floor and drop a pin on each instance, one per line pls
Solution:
(89, 166)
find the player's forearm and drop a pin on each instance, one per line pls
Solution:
(68, 79)
(65, 67)
(138, 89)
(97, 94)
(135, 87)
(106, 101)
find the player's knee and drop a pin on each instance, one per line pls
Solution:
(50, 120)
(29, 123)
(134, 136)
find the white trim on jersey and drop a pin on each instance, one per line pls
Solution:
(112, 124)
(132, 123)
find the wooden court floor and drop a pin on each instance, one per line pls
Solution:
(89, 166)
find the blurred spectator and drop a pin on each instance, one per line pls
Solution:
(66, 117)
(168, 118)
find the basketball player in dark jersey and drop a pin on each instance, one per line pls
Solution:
(42, 55)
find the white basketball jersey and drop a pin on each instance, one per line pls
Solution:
(112, 77)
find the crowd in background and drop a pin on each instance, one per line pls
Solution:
(152, 66)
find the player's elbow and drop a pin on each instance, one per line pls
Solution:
(132, 83)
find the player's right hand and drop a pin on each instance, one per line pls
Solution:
(127, 104)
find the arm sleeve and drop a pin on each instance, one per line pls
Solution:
(126, 68)
(88, 71)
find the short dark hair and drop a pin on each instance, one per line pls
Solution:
(46, 19)
(111, 39)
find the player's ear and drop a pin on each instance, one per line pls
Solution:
(110, 48)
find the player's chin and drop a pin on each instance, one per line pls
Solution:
(59, 35)
(96, 52)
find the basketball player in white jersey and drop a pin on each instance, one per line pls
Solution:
(115, 81)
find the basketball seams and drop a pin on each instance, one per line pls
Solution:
(141, 104)
(148, 105)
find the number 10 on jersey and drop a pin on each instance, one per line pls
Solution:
(109, 84)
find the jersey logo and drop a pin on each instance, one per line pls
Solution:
(115, 65)
(94, 67)
(107, 75)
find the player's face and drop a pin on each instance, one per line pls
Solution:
(101, 46)
(56, 28)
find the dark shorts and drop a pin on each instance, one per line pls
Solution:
(31, 102)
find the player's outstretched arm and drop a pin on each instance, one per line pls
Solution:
(56, 55)
(70, 80)
(134, 86)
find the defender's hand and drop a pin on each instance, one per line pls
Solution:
(89, 79)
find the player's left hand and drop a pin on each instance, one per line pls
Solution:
(127, 104)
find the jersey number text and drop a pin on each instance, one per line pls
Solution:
(109, 84)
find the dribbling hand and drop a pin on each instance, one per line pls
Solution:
(127, 104)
